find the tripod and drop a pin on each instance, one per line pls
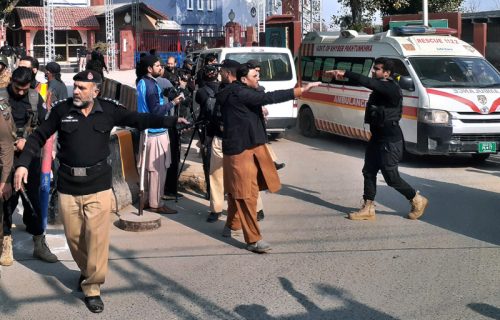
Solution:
(199, 127)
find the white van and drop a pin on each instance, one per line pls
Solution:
(451, 93)
(277, 72)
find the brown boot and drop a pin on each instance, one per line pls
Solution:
(41, 250)
(7, 257)
(367, 211)
(418, 205)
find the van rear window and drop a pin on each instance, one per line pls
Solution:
(274, 66)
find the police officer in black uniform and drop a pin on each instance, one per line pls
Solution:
(27, 112)
(84, 124)
(385, 148)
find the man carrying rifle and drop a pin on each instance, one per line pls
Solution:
(28, 112)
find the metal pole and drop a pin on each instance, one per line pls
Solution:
(425, 10)
(143, 169)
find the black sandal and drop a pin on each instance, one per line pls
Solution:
(94, 304)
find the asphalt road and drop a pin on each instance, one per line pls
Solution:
(322, 266)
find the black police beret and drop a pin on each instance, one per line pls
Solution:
(88, 76)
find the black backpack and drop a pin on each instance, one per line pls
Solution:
(212, 110)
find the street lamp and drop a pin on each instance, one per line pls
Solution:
(231, 15)
(127, 18)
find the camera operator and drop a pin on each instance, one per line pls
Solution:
(185, 108)
(210, 59)
(205, 97)
(158, 146)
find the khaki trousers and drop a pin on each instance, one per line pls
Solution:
(271, 152)
(242, 213)
(217, 178)
(86, 221)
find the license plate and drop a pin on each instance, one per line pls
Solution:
(487, 147)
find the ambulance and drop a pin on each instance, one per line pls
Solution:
(451, 101)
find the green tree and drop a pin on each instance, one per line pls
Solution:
(7, 6)
(361, 11)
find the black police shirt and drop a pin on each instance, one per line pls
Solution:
(84, 141)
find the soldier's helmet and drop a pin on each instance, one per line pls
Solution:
(4, 61)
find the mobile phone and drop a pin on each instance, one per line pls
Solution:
(182, 95)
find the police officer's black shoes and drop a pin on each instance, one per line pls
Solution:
(213, 217)
(94, 304)
(260, 215)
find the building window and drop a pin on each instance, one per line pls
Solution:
(210, 33)
(190, 32)
(189, 4)
(200, 5)
(210, 5)
(200, 34)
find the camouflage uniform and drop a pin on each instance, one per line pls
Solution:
(7, 136)
(6, 74)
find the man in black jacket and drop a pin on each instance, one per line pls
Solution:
(84, 124)
(27, 112)
(385, 148)
(212, 166)
(248, 167)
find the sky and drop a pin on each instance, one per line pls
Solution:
(332, 7)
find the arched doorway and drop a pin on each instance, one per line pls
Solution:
(66, 43)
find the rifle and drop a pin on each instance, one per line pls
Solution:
(143, 168)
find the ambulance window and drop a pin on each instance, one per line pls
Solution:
(357, 67)
(367, 66)
(317, 69)
(308, 70)
(344, 65)
(329, 65)
(400, 68)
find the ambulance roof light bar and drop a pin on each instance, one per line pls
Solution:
(348, 33)
(422, 30)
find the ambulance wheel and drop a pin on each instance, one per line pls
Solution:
(480, 157)
(306, 123)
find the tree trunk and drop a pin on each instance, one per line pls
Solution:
(356, 11)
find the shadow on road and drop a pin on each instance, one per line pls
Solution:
(486, 310)
(350, 309)
(457, 208)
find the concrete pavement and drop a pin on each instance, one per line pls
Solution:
(322, 265)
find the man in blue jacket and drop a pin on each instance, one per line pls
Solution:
(157, 160)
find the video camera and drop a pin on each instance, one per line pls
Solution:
(210, 71)
(185, 126)
(172, 92)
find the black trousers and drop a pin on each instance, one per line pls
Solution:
(173, 170)
(384, 156)
(32, 220)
